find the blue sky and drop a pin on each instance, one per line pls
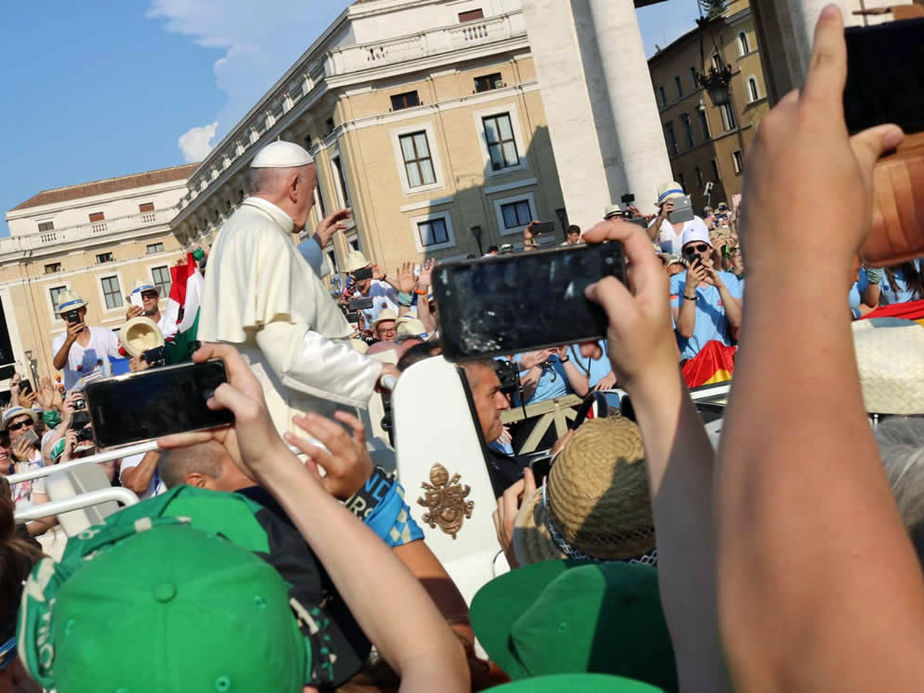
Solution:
(103, 88)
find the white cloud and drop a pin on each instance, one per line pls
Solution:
(196, 143)
(261, 41)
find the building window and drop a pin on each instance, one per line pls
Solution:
(716, 61)
(679, 86)
(699, 177)
(112, 294)
(319, 201)
(341, 181)
(682, 181)
(670, 138)
(417, 160)
(154, 248)
(432, 232)
(488, 82)
(687, 129)
(161, 277)
(715, 171)
(46, 226)
(728, 116)
(146, 207)
(516, 215)
(502, 146)
(703, 124)
(743, 46)
(753, 91)
(96, 216)
(470, 16)
(104, 257)
(54, 292)
(407, 99)
(738, 161)
(329, 126)
(662, 96)
(353, 242)
(694, 78)
(52, 268)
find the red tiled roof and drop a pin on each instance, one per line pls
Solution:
(108, 185)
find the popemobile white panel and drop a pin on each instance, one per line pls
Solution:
(442, 468)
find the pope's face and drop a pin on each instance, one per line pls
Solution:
(307, 180)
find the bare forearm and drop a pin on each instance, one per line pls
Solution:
(732, 307)
(680, 466)
(818, 461)
(578, 381)
(379, 605)
(139, 478)
(686, 317)
(60, 359)
(423, 312)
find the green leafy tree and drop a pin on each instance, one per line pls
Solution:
(713, 8)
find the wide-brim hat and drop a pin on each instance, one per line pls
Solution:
(408, 325)
(669, 191)
(355, 260)
(139, 335)
(141, 286)
(890, 361)
(14, 412)
(596, 502)
(567, 616)
(386, 314)
(68, 301)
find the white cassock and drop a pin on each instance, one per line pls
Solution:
(262, 296)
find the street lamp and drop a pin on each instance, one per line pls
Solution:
(716, 83)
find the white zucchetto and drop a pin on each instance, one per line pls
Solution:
(281, 154)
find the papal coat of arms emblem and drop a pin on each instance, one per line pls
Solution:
(444, 499)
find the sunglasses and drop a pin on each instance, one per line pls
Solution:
(694, 249)
(19, 424)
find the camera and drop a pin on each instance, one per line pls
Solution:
(80, 405)
(80, 420)
(85, 435)
(509, 375)
(155, 357)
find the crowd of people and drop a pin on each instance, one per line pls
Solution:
(283, 558)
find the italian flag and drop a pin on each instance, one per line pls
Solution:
(186, 296)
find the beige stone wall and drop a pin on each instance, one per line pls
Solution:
(25, 288)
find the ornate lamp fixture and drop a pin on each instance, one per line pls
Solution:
(716, 83)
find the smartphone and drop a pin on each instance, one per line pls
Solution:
(364, 303)
(885, 76)
(136, 300)
(353, 316)
(31, 436)
(509, 304)
(363, 273)
(541, 466)
(683, 210)
(142, 406)
(72, 317)
(543, 227)
(25, 387)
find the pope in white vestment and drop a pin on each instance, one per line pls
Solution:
(262, 296)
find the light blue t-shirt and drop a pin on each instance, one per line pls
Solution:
(594, 369)
(898, 292)
(552, 384)
(856, 292)
(711, 323)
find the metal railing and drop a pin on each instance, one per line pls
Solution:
(84, 500)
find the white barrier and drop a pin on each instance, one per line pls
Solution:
(85, 500)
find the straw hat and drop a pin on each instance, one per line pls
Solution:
(669, 191)
(596, 502)
(890, 359)
(386, 314)
(142, 285)
(355, 260)
(68, 301)
(409, 325)
(14, 412)
(139, 335)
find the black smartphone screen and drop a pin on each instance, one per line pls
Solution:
(543, 227)
(364, 303)
(25, 386)
(157, 402)
(362, 273)
(541, 468)
(514, 303)
(885, 75)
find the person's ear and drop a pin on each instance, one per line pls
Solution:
(196, 479)
(295, 186)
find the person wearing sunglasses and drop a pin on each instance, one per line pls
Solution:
(705, 302)
(18, 424)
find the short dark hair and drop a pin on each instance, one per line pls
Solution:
(493, 249)
(175, 464)
(418, 352)
(574, 228)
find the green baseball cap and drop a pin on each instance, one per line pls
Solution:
(153, 604)
(585, 683)
(566, 616)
